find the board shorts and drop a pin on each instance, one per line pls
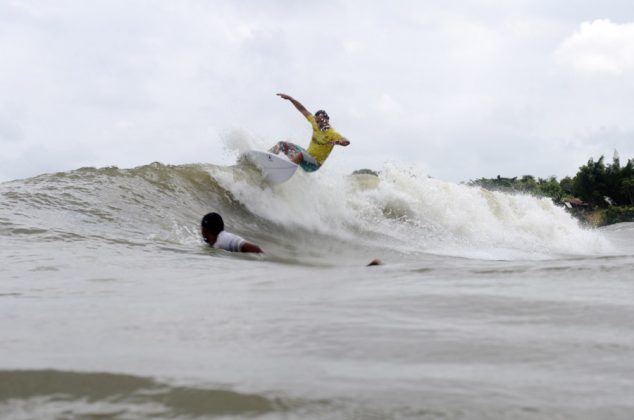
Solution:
(308, 163)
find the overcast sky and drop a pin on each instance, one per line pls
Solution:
(463, 89)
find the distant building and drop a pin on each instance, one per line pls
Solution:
(576, 204)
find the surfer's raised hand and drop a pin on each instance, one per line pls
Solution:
(301, 108)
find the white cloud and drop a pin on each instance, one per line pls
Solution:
(600, 46)
(387, 105)
(120, 83)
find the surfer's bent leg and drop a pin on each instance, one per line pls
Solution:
(289, 149)
(297, 155)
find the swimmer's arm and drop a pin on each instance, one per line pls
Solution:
(296, 103)
(249, 247)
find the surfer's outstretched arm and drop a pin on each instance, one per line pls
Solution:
(301, 108)
(341, 142)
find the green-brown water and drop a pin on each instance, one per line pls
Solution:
(488, 306)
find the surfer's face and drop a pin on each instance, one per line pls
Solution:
(321, 120)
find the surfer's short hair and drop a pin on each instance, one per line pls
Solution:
(213, 223)
(322, 112)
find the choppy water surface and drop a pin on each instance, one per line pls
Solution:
(488, 305)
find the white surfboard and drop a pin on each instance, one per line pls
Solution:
(274, 168)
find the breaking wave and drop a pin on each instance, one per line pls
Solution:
(311, 218)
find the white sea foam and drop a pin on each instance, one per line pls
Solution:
(410, 212)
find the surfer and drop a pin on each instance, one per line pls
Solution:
(214, 233)
(321, 144)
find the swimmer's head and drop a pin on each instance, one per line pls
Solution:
(212, 224)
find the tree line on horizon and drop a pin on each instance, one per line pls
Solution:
(598, 184)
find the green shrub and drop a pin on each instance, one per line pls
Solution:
(619, 214)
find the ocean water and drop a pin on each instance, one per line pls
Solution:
(488, 305)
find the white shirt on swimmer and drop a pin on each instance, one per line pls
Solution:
(228, 242)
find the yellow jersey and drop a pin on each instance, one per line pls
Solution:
(320, 146)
